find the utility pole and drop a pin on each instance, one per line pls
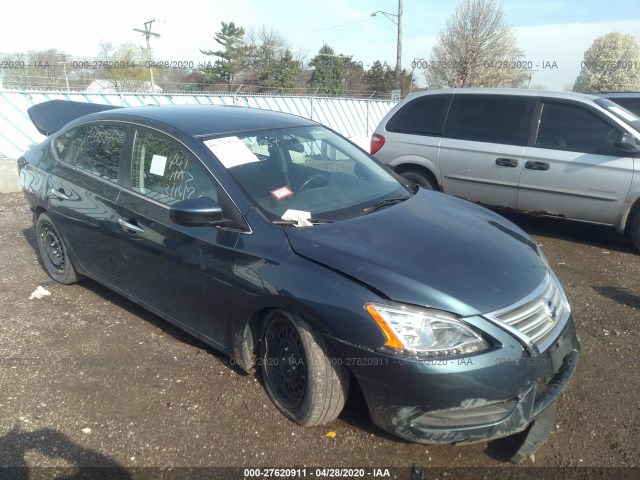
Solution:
(397, 19)
(399, 49)
(66, 78)
(147, 33)
(64, 62)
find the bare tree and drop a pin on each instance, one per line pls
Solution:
(42, 69)
(476, 49)
(266, 50)
(124, 67)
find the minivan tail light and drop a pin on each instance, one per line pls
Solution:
(377, 141)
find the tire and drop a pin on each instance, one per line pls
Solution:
(634, 230)
(53, 252)
(301, 376)
(419, 178)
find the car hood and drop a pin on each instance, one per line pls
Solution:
(432, 250)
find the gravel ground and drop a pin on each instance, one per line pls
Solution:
(89, 379)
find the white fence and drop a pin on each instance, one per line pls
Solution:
(353, 118)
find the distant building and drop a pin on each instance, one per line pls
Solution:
(119, 86)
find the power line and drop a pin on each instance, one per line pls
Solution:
(332, 27)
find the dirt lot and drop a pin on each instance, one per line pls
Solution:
(89, 379)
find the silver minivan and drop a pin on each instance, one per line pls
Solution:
(567, 155)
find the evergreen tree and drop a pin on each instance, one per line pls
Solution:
(380, 78)
(225, 68)
(328, 74)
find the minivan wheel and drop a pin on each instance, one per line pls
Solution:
(419, 178)
(634, 230)
(53, 251)
(301, 375)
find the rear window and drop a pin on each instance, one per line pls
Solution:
(422, 116)
(630, 103)
(504, 119)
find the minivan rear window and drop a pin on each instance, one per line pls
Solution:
(502, 119)
(422, 116)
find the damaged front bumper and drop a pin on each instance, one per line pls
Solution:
(466, 400)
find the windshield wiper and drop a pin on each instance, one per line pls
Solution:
(313, 221)
(384, 203)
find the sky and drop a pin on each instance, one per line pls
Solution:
(553, 34)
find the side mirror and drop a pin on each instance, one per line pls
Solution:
(196, 212)
(627, 143)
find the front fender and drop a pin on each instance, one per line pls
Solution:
(268, 275)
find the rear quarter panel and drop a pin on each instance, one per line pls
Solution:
(402, 150)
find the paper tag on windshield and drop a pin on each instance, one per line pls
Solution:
(231, 151)
(282, 192)
(298, 216)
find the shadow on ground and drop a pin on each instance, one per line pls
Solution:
(619, 295)
(600, 236)
(83, 463)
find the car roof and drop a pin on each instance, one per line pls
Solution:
(618, 94)
(206, 120)
(199, 120)
(512, 91)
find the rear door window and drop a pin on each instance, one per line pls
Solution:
(504, 119)
(422, 116)
(573, 128)
(96, 149)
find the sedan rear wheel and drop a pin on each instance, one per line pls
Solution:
(301, 375)
(53, 251)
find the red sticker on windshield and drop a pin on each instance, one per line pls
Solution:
(282, 192)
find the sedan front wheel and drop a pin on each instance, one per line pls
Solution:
(302, 377)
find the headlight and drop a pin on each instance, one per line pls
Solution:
(424, 331)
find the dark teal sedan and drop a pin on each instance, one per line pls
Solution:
(283, 245)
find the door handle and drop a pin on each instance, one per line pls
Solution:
(128, 226)
(536, 165)
(59, 194)
(506, 162)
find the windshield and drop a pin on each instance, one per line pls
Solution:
(307, 172)
(619, 111)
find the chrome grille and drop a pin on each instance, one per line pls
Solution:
(538, 315)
